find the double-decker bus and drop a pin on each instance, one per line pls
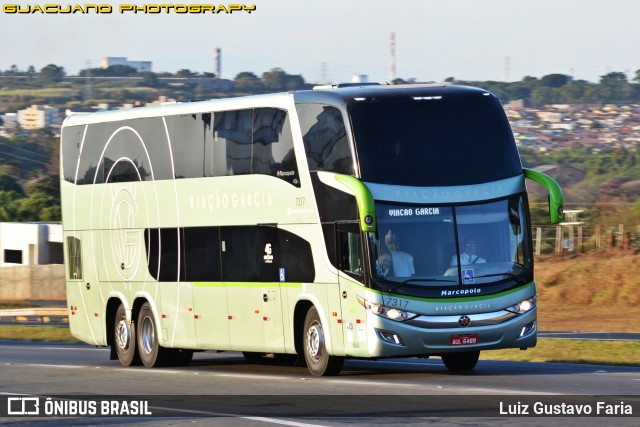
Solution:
(353, 222)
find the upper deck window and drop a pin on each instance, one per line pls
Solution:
(433, 141)
(325, 139)
(235, 142)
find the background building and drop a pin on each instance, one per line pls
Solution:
(38, 117)
(30, 244)
(140, 66)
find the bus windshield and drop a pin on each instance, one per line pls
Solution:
(445, 141)
(436, 246)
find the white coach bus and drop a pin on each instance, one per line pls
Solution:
(355, 222)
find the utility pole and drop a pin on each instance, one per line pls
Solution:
(392, 71)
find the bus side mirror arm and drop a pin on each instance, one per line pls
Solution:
(556, 199)
(364, 199)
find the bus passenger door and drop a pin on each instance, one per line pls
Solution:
(351, 265)
(273, 276)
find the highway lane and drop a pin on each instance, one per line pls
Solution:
(34, 369)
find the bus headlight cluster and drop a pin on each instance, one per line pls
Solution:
(391, 313)
(523, 306)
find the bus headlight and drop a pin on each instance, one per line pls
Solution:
(391, 313)
(523, 306)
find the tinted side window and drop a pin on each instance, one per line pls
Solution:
(162, 253)
(248, 254)
(273, 145)
(191, 133)
(351, 258)
(74, 258)
(232, 138)
(201, 249)
(325, 138)
(295, 258)
(257, 141)
(71, 140)
(129, 150)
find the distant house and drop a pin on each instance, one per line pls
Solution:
(30, 243)
(38, 117)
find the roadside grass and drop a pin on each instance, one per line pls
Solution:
(622, 353)
(36, 333)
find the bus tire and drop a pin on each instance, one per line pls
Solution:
(151, 354)
(124, 339)
(460, 362)
(319, 362)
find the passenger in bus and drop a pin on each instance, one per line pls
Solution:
(468, 255)
(384, 265)
(402, 261)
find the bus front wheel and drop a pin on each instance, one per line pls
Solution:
(319, 362)
(124, 334)
(460, 362)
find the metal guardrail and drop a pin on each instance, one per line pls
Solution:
(39, 314)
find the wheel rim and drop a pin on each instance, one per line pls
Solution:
(123, 334)
(315, 341)
(148, 336)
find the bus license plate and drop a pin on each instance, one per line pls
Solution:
(463, 339)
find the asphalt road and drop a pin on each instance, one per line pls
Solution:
(224, 389)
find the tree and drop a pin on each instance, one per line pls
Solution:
(10, 185)
(277, 79)
(274, 79)
(543, 96)
(9, 206)
(185, 73)
(555, 80)
(52, 73)
(573, 93)
(613, 86)
(149, 79)
(31, 71)
(247, 82)
(39, 207)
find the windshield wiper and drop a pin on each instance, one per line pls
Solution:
(509, 275)
(418, 279)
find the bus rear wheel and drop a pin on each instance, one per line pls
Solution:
(124, 339)
(151, 353)
(460, 362)
(319, 362)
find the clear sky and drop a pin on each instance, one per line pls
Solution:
(467, 39)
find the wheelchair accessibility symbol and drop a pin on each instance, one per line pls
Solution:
(468, 276)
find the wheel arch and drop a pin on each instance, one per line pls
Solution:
(110, 317)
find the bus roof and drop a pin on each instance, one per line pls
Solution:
(385, 92)
(335, 95)
(240, 102)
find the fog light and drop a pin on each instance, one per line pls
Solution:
(390, 337)
(528, 328)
